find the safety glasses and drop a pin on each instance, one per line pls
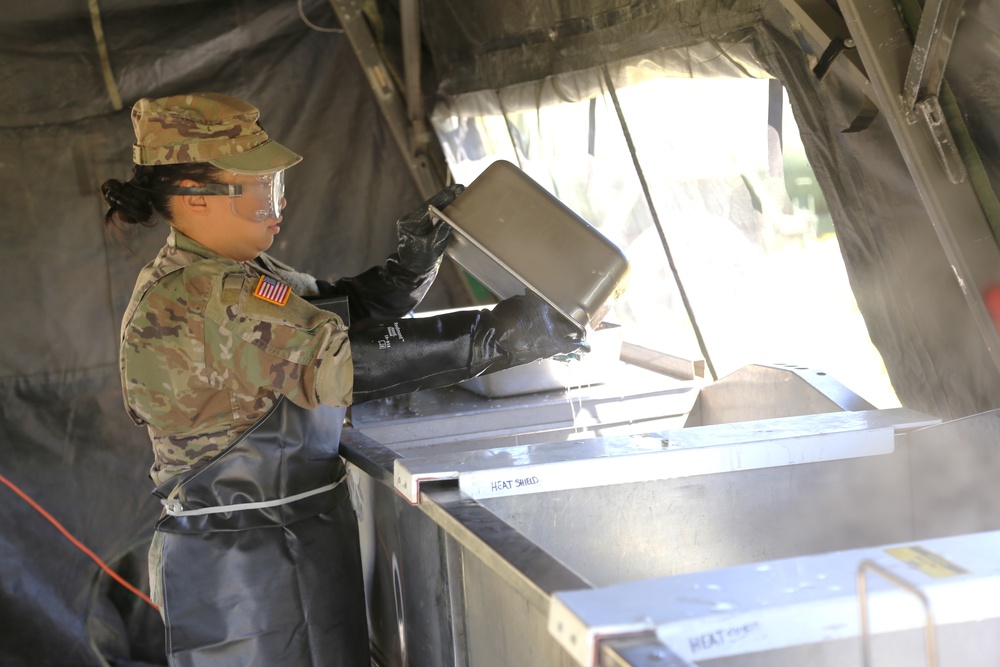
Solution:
(255, 198)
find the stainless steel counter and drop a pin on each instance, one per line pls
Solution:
(458, 580)
(452, 419)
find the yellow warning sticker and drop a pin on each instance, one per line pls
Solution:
(926, 561)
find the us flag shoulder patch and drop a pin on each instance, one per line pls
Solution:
(272, 290)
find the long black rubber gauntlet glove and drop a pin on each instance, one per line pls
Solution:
(407, 355)
(396, 287)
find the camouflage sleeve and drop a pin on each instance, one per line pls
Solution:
(295, 349)
(302, 284)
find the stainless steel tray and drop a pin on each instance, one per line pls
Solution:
(511, 234)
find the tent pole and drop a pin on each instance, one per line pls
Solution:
(102, 50)
(405, 119)
(659, 227)
(409, 17)
(395, 111)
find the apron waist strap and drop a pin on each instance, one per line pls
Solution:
(173, 506)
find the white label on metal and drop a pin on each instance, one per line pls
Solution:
(673, 463)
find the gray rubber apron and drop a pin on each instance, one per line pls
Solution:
(280, 584)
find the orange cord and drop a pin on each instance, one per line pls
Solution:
(79, 545)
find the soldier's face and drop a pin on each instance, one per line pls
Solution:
(245, 226)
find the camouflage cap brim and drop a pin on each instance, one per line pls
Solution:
(270, 156)
(205, 127)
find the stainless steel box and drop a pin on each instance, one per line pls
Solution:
(511, 234)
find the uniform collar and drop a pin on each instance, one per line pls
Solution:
(181, 241)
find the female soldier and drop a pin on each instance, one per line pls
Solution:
(242, 383)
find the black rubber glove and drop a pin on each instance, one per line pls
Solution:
(397, 287)
(422, 239)
(408, 355)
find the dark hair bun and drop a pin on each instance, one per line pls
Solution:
(128, 203)
(137, 200)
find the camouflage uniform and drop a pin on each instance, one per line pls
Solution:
(239, 395)
(202, 358)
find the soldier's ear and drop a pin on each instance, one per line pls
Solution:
(193, 204)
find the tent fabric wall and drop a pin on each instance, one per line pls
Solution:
(481, 45)
(915, 309)
(64, 436)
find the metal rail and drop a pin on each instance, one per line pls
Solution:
(930, 640)
(350, 13)
(640, 651)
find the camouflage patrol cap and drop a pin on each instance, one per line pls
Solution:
(205, 127)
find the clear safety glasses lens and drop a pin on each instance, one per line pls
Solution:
(261, 197)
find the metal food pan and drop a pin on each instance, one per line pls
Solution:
(511, 234)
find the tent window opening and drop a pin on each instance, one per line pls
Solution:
(756, 267)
